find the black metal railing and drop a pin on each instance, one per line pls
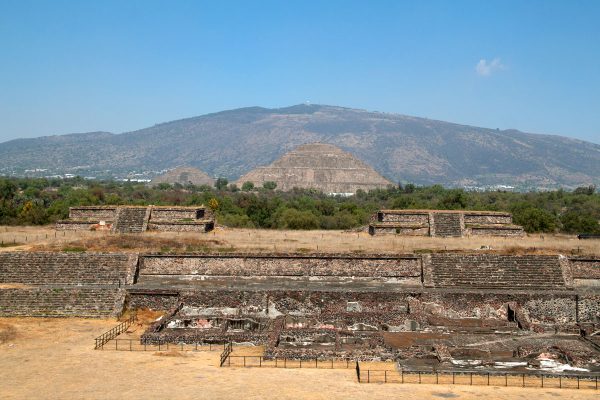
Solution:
(137, 345)
(226, 353)
(114, 332)
(284, 362)
(495, 378)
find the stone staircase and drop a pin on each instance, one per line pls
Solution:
(491, 271)
(59, 302)
(447, 225)
(48, 268)
(63, 284)
(131, 220)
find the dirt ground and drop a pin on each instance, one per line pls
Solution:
(262, 240)
(54, 359)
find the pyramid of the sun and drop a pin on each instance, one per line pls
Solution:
(318, 166)
(184, 176)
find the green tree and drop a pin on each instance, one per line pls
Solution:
(248, 186)
(291, 218)
(269, 185)
(221, 183)
(535, 220)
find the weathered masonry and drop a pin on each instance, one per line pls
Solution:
(64, 284)
(138, 219)
(440, 306)
(443, 223)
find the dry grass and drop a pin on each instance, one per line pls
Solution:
(14, 286)
(283, 241)
(7, 332)
(170, 353)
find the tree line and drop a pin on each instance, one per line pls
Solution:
(33, 201)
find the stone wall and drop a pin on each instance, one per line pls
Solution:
(375, 229)
(64, 284)
(585, 268)
(494, 231)
(589, 307)
(497, 271)
(422, 218)
(132, 219)
(255, 265)
(487, 218)
(93, 213)
(165, 226)
(176, 213)
(49, 268)
(443, 223)
(60, 302)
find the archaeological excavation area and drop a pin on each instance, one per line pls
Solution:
(445, 311)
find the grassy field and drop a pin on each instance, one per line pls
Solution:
(270, 241)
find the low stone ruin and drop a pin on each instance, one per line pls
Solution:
(138, 219)
(443, 223)
(444, 311)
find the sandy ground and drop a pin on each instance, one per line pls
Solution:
(261, 240)
(54, 359)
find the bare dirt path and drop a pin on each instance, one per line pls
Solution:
(54, 359)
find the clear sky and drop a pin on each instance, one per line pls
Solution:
(78, 66)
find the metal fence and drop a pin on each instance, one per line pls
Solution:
(114, 332)
(232, 360)
(136, 345)
(572, 381)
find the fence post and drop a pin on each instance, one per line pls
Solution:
(542, 381)
(453, 375)
(130, 344)
(437, 378)
(471, 374)
(505, 379)
(488, 379)
(368, 376)
(402, 376)
(523, 379)
(385, 376)
(560, 382)
(577, 381)
(419, 376)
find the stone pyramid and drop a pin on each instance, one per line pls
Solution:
(318, 166)
(184, 176)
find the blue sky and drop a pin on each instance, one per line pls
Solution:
(78, 66)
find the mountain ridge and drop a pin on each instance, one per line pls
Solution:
(404, 148)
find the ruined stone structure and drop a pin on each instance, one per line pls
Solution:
(64, 284)
(184, 176)
(138, 219)
(443, 223)
(307, 306)
(432, 308)
(318, 166)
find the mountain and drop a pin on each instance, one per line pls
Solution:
(184, 176)
(318, 166)
(401, 148)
